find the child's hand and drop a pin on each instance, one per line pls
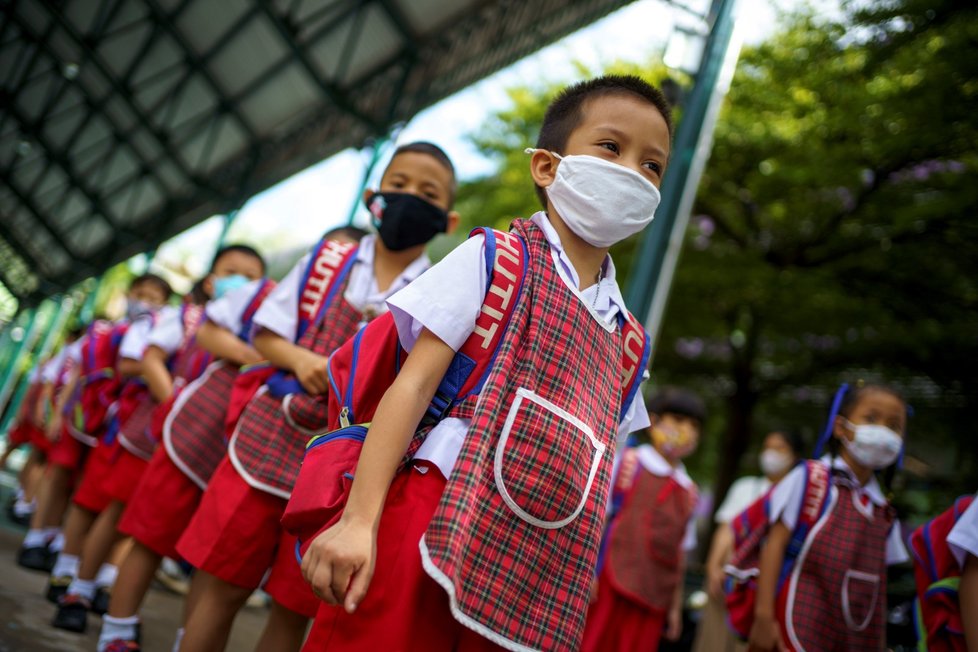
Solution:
(674, 624)
(714, 584)
(593, 596)
(310, 370)
(340, 563)
(53, 431)
(765, 636)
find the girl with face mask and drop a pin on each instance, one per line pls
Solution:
(834, 598)
(780, 452)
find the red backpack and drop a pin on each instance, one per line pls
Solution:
(750, 529)
(937, 613)
(361, 371)
(99, 383)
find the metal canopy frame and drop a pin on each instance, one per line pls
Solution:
(124, 122)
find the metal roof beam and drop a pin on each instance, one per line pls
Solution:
(289, 36)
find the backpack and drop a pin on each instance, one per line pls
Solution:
(750, 529)
(937, 614)
(99, 382)
(361, 371)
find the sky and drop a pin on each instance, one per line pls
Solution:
(298, 210)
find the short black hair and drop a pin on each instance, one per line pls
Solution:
(793, 438)
(198, 295)
(856, 393)
(241, 249)
(437, 153)
(153, 279)
(354, 233)
(566, 111)
(676, 400)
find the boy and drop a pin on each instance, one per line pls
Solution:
(490, 536)
(639, 590)
(164, 500)
(341, 288)
(124, 343)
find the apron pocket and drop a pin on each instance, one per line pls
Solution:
(860, 591)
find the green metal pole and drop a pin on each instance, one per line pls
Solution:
(378, 145)
(228, 220)
(658, 252)
(87, 312)
(11, 374)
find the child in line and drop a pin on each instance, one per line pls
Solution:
(639, 589)
(489, 536)
(963, 542)
(164, 500)
(835, 595)
(148, 295)
(248, 492)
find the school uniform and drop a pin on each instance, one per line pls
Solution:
(963, 539)
(236, 533)
(489, 536)
(839, 577)
(169, 491)
(24, 430)
(648, 537)
(66, 452)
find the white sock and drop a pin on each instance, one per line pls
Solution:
(116, 629)
(58, 542)
(34, 539)
(66, 566)
(50, 533)
(176, 643)
(82, 588)
(106, 576)
(20, 493)
(23, 508)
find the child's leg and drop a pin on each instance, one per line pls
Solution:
(35, 470)
(216, 604)
(100, 541)
(132, 584)
(77, 524)
(284, 630)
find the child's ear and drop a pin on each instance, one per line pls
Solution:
(453, 221)
(839, 429)
(543, 167)
(208, 285)
(367, 194)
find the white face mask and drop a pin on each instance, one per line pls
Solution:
(601, 202)
(774, 462)
(873, 446)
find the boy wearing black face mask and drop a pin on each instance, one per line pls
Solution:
(235, 536)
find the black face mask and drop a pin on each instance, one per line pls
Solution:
(405, 220)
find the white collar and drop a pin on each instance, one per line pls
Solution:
(366, 252)
(609, 294)
(871, 489)
(654, 463)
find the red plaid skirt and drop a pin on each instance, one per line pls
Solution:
(515, 538)
(136, 433)
(193, 432)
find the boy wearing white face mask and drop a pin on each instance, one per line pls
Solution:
(835, 595)
(490, 536)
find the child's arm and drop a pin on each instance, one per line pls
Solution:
(765, 633)
(674, 619)
(158, 378)
(720, 549)
(968, 599)
(53, 430)
(46, 398)
(222, 343)
(309, 368)
(340, 561)
(130, 367)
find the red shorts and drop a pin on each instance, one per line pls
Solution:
(67, 452)
(236, 535)
(616, 623)
(404, 609)
(40, 441)
(90, 493)
(127, 470)
(161, 507)
(20, 434)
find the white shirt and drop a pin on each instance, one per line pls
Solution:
(134, 342)
(279, 311)
(742, 493)
(653, 462)
(963, 539)
(228, 311)
(787, 496)
(447, 300)
(167, 334)
(51, 368)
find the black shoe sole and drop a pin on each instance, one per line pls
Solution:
(71, 621)
(55, 593)
(37, 561)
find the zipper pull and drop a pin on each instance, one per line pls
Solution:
(345, 417)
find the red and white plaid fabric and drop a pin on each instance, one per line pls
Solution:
(266, 448)
(646, 542)
(835, 598)
(515, 538)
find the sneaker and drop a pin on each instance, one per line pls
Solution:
(37, 558)
(101, 602)
(72, 614)
(172, 577)
(57, 588)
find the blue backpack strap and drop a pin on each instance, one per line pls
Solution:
(818, 481)
(248, 316)
(328, 266)
(636, 350)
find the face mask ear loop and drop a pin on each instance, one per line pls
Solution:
(840, 394)
(906, 430)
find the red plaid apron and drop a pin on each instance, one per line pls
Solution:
(835, 598)
(515, 538)
(646, 539)
(140, 433)
(271, 435)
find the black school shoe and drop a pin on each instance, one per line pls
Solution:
(37, 558)
(72, 614)
(57, 588)
(100, 604)
(118, 645)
